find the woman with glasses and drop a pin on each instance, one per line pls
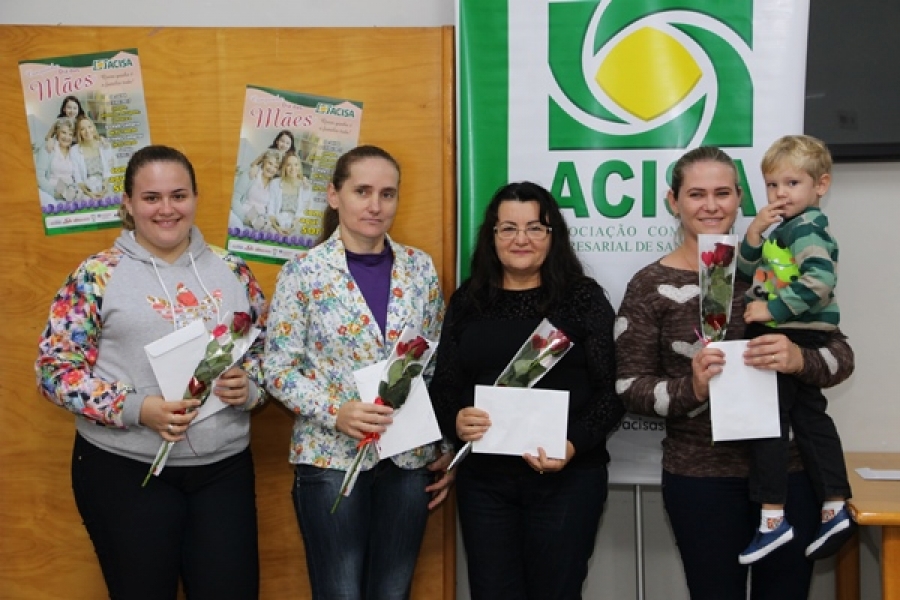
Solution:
(528, 522)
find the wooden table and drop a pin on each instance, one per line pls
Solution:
(874, 503)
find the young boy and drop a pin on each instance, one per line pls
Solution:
(793, 274)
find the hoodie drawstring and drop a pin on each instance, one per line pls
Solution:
(166, 292)
(175, 316)
(206, 291)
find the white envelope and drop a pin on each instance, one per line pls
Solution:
(522, 419)
(414, 423)
(174, 357)
(743, 400)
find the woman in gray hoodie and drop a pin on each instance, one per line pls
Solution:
(196, 520)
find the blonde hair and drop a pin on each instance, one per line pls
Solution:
(803, 152)
(272, 155)
(282, 170)
(697, 155)
(59, 124)
(82, 119)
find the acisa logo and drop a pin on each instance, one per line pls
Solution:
(650, 75)
(338, 111)
(111, 63)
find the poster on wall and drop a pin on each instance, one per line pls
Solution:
(86, 117)
(595, 100)
(289, 145)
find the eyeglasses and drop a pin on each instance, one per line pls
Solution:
(535, 233)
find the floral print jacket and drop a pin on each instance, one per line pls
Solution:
(321, 330)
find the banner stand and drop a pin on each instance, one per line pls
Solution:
(639, 540)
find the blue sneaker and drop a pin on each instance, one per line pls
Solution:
(764, 542)
(832, 535)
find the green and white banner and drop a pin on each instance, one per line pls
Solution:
(596, 99)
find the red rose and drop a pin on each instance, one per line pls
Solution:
(537, 342)
(417, 347)
(196, 387)
(558, 341)
(723, 254)
(240, 325)
(717, 322)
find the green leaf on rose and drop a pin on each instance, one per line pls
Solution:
(414, 370)
(394, 395)
(395, 371)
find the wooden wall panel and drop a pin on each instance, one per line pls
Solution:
(194, 80)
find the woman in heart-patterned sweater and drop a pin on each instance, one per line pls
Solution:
(664, 370)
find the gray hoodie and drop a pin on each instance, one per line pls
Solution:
(116, 303)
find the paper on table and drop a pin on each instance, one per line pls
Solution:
(523, 419)
(743, 400)
(414, 423)
(879, 474)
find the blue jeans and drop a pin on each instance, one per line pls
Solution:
(713, 520)
(368, 548)
(529, 535)
(197, 522)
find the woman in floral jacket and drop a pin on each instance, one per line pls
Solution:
(338, 308)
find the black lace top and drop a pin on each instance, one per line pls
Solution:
(477, 344)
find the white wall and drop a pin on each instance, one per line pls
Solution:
(864, 206)
(230, 13)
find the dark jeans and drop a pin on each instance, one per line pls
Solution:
(713, 520)
(803, 409)
(528, 535)
(368, 548)
(198, 523)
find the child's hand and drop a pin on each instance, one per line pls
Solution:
(757, 312)
(767, 216)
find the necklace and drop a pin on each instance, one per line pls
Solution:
(685, 257)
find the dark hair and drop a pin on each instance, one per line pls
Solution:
(331, 220)
(143, 157)
(560, 269)
(350, 158)
(274, 144)
(66, 100)
(701, 154)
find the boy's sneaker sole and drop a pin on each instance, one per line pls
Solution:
(832, 535)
